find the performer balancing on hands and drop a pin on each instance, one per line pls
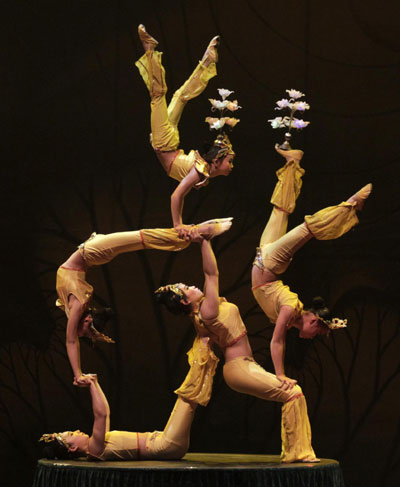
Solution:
(216, 318)
(276, 251)
(192, 170)
(103, 444)
(75, 293)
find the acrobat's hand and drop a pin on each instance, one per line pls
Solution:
(290, 155)
(184, 231)
(286, 382)
(84, 380)
(195, 235)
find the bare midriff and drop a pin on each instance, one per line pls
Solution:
(261, 276)
(239, 349)
(75, 262)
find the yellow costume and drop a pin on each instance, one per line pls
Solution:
(173, 442)
(244, 375)
(165, 120)
(100, 249)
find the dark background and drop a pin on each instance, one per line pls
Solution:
(76, 159)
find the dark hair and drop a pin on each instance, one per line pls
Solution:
(319, 308)
(172, 301)
(100, 317)
(54, 450)
(210, 152)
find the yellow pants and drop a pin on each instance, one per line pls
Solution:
(100, 249)
(165, 120)
(173, 442)
(244, 375)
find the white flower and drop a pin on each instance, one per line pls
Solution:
(218, 104)
(300, 106)
(299, 124)
(284, 103)
(294, 94)
(231, 121)
(223, 93)
(215, 123)
(232, 106)
(276, 122)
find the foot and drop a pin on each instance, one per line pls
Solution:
(290, 155)
(211, 54)
(148, 42)
(360, 197)
(212, 228)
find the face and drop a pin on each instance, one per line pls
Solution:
(84, 325)
(224, 166)
(192, 293)
(310, 326)
(76, 440)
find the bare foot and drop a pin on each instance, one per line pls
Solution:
(211, 54)
(360, 197)
(212, 228)
(148, 42)
(290, 155)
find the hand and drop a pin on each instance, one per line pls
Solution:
(184, 231)
(84, 380)
(287, 383)
(290, 155)
(195, 235)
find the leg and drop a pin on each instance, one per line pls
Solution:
(284, 197)
(173, 442)
(246, 376)
(196, 83)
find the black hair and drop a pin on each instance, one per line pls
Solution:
(319, 308)
(210, 151)
(55, 450)
(173, 302)
(100, 317)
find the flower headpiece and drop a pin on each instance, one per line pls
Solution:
(48, 437)
(171, 287)
(290, 121)
(334, 323)
(217, 123)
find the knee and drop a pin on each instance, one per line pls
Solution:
(293, 393)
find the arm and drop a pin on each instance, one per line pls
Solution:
(178, 197)
(278, 346)
(76, 310)
(210, 304)
(101, 413)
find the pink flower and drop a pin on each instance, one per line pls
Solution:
(284, 103)
(301, 106)
(299, 124)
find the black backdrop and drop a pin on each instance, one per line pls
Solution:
(76, 159)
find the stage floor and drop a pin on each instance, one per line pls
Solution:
(195, 469)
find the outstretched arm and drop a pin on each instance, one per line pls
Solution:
(278, 343)
(177, 200)
(101, 413)
(76, 310)
(210, 304)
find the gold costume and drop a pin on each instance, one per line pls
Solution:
(100, 249)
(165, 120)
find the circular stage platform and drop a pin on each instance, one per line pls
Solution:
(194, 470)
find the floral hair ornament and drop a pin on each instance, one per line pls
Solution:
(49, 437)
(217, 123)
(334, 323)
(171, 287)
(293, 104)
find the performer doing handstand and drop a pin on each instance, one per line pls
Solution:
(277, 249)
(74, 292)
(192, 170)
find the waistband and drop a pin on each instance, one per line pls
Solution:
(261, 285)
(248, 358)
